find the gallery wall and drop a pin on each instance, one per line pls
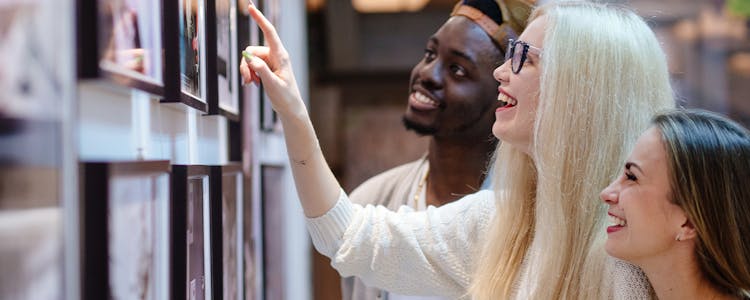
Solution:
(119, 127)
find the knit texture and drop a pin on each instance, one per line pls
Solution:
(430, 253)
(393, 188)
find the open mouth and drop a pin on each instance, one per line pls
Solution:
(422, 101)
(506, 101)
(617, 221)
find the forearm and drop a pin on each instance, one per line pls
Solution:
(427, 253)
(317, 188)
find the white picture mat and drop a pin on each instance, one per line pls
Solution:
(124, 44)
(139, 237)
(197, 288)
(231, 229)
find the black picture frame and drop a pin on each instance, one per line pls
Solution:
(121, 42)
(223, 95)
(191, 251)
(185, 54)
(125, 209)
(226, 228)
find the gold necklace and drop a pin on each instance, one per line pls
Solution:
(421, 185)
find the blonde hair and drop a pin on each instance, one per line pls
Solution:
(603, 77)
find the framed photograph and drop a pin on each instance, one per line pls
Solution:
(34, 36)
(272, 201)
(126, 230)
(185, 52)
(36, 81)
(222, 89)
(191, 261)
(125, 37)
(192, 49)
(226, 231)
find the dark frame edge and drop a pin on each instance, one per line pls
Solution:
(215, 231)
(212, 84)
(95, 252)
(86, 18)
(178, 240)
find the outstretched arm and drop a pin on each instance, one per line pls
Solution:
(317, 188)
(427, 253)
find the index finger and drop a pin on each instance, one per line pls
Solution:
(268, 30)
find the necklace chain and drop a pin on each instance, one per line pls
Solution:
(422, 184)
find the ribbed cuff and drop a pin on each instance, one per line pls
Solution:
(327, 230)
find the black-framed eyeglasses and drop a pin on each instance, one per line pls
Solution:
(517, 52)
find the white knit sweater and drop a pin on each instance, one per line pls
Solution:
(426, 253)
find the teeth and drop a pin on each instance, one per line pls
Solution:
(424, 99)
(505, 100)
(616, 221)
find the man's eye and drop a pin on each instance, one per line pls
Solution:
(429, 54)
(458, 71)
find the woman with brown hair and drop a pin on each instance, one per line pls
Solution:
(680, 210)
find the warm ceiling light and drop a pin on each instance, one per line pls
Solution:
(315, 5)
(388, 6)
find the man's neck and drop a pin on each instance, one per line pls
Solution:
(456, 168)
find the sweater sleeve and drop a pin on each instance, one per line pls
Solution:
(413, 253)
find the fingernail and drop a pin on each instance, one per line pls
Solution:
(247, 55)
(251, 3)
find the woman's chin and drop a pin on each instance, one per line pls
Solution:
(508, 137)
(499, 131)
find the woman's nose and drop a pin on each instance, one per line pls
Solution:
(610, 193)
(501, 73)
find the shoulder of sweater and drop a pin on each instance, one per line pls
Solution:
(480, 205)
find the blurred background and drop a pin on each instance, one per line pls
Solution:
(362, 51)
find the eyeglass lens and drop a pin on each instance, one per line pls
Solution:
(515, 52)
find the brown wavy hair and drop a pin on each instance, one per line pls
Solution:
(709, 163)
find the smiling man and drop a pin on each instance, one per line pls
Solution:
(452, 98)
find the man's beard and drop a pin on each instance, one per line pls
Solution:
(419, 129)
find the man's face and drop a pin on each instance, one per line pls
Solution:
(452, 91)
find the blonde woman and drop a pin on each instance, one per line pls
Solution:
(681, 207)
(576, 89)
